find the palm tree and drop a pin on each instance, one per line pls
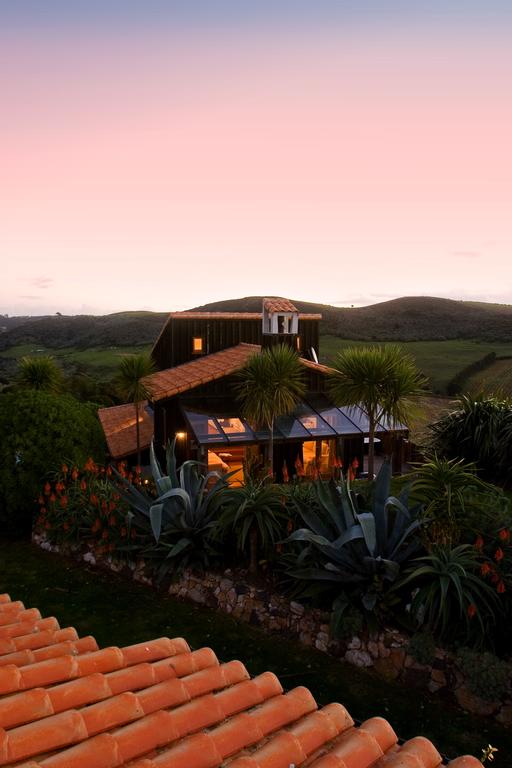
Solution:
(382, 381)
(130, 381)
(270, 385)
(40, 373)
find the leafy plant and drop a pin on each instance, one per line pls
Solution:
(40, 373)
(486, 676)
(181, 513)
(422, 647)
(255, 513)
(478, 430)
(130, 380)
(38, 430)
(357, 549)
(455, 499)
(449, 593)
(382, 381)
(269, 385)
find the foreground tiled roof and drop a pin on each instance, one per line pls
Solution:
(66, 704)
(183, 377)
(279, 305)
(118, 424)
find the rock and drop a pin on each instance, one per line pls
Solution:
(439, 677)
(226, 585)
(197, 595)
(358, 658)
(397, 657)
(297, 608)
(89, 558)
(474, 704)
(504, 716)
(385, 668)
(373, 649)
(354, 644)
(321, 645)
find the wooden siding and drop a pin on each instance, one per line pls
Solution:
(174, 345)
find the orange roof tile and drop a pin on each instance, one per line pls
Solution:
(241, 315)
(160, 705)
(119, 426)
(183, 377)
(279, 305)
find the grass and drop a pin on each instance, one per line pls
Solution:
(439, 361)
(496, 379)
(120, 613)
(101, 361)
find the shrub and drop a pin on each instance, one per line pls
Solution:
(39, 430)
(422, 647)
(486, 676)
(449, 596)
(83, 505)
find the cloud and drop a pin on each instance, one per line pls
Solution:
(27, 296)
(41, 282)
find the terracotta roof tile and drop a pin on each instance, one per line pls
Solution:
(119, 426)
(183, 377)
(160, 705)
(279, 305)
(239, 315)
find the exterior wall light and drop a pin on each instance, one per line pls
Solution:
(181, 435)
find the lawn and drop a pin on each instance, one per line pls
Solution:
(119, 613)
(438, 360)
(496, 379)
(101, 362)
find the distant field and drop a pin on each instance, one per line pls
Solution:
(497, 379)
(100, 362)
(438, 360)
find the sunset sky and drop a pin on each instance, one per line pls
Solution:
(160, 155)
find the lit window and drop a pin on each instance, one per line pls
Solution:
(197, 344)
(297, 341)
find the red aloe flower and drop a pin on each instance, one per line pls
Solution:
(499, 555)
(479, 543)
(500, 589)
(504, 534)
(485, 569)
(472, 610)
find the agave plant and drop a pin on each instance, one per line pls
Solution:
(361, 550)
(183, 512)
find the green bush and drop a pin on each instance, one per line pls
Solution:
(422, 647)
(486, 676)
(39, 431)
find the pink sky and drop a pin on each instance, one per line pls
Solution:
(163, 171)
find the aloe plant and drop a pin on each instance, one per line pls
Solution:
(359, 549)
(182, 513)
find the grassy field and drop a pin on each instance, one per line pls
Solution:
(438, 360)
(101, 362)
(118, 612)
(497, 379)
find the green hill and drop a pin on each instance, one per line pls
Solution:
(413, 318)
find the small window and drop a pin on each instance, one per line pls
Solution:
(197, 345)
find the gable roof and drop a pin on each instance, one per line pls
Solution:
(279, 305)
(181, 378)
(66, 704)
(204, 369)
(118, 424)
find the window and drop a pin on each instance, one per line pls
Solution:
(197, 345)
(297, 342)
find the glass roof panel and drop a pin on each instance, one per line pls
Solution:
(359, 418)
(236, 429)
(312, 421)
(290, 427)
(336, 418)
(205, 428)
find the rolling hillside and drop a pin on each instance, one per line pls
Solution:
(414, 318)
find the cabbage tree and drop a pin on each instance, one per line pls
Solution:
(382, 381)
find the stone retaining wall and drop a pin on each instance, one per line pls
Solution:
(386, 653)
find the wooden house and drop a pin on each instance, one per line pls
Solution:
(192, 399)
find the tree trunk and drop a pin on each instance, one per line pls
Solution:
(253, 549)
(371, 446)
(137, 432)
(271, 449)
